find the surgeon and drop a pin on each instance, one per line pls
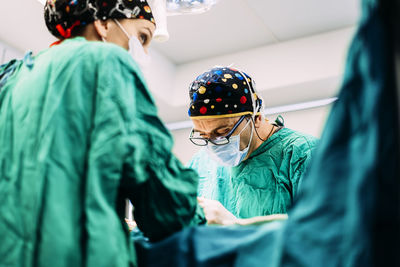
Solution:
(79, 133)
(249, 167)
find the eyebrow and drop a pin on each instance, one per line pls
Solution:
(214, 130)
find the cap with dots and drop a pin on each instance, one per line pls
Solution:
(62, 16)
(222, 92)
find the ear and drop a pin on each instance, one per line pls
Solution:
(258, 121)
(101, 27)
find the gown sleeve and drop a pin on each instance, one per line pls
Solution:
(161, 189)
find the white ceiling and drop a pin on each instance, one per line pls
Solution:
(290, 19)
(236, 25)
(230, 26)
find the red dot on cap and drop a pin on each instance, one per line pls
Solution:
(243, 99)
(218, 99)
(203, 110)
(230, 111)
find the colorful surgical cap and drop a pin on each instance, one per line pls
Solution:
(223, 92)
(62, 16)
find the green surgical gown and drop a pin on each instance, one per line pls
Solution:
(266, 183)
(79, 133)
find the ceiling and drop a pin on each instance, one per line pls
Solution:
(230, 26)
(236, 25)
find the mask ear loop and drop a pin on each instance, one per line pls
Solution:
(122, 28)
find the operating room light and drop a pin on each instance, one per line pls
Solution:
(182, 7)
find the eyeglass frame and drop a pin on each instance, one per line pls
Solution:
(191, 138)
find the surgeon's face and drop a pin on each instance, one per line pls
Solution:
(141, 28)
(212, 128)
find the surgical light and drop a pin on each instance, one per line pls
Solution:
(183, 7)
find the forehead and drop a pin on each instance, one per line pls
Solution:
(208, 125)
(140, 23)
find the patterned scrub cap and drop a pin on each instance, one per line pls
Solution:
(223, 92)
(62, 16)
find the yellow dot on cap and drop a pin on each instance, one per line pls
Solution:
(192, 107)
(235, 86)
(244, 83)
(255, 96)
(147, 9)
(202, 90)
(228, 76)
(212, 107)
(224, 80)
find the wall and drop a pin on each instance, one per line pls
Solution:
(7, 53)
(159, 75)
(310, 121)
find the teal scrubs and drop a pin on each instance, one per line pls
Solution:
(266, 183)
(79, 133)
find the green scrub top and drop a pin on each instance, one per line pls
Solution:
(266, 183)
(79, 133)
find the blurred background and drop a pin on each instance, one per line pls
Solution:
(294, 50)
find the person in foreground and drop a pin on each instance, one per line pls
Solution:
(79, 133)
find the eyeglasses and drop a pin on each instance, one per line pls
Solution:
(219, 141)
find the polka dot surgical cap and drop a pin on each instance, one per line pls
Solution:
(223, 92)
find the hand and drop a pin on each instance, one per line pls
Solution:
(131, 224)
(215, 212)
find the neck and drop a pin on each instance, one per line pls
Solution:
(90, 33)
(265, 131)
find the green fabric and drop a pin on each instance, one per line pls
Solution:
(266, 183)
(79, 133)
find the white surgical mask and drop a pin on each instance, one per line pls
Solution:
(230, 154)
(136, 49)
